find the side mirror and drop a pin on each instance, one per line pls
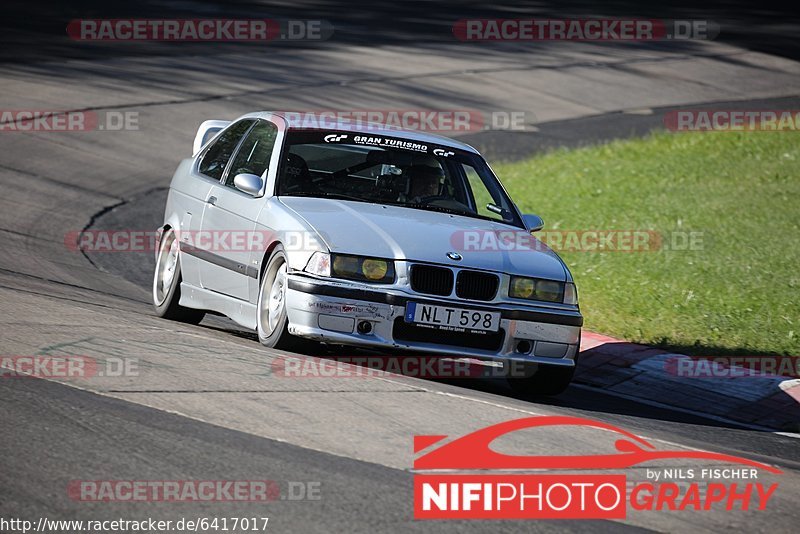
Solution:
(533, 223)
(248, 183)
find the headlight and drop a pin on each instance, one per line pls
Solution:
(522, 288)
(346, 266)
(372, 270)
(375, 269)
(544, 290)
(549, 290)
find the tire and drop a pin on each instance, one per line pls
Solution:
(271, 321)
(167, 283)
(542, 380)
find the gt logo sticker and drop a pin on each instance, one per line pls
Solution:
(443, 153)
(334, 138)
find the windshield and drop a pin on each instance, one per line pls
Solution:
(388, 170)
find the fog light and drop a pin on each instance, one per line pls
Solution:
(524, 346)
(364, 327)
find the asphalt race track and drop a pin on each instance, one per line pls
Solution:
(203, 404)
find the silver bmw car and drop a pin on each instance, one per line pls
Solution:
(368, 236)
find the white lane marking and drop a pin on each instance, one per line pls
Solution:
(638, 111)
(712, 417)
(531, 412)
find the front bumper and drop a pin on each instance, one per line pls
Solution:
(331, 311)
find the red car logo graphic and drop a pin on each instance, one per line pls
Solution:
(473, 450)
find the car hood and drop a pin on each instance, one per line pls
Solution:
(396, 232)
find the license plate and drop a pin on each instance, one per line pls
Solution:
(448, 318)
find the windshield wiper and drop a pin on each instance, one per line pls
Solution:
(326, 194)
(431, 207)
(452, 211)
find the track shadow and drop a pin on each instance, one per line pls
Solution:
(37, 30)
(658, 404)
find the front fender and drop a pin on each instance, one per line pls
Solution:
(299, 239)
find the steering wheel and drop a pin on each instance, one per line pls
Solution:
(430, 199)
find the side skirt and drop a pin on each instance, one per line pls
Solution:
(240, 311)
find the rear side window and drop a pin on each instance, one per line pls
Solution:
(216, 157)
(256, 150)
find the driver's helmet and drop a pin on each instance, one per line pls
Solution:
(424, 181)
(296, 174)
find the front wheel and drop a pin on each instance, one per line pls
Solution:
(271, 321)
(541, 379)
(167, 283)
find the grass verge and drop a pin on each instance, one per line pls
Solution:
(735, 291)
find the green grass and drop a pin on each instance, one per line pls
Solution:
(739, 293)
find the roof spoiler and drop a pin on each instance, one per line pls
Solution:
(206, 132)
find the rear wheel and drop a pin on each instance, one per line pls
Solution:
(167, 283)
(541, 379)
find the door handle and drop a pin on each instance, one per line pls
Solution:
(212, 200)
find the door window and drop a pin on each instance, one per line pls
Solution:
(255, 152)
(216, 157)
